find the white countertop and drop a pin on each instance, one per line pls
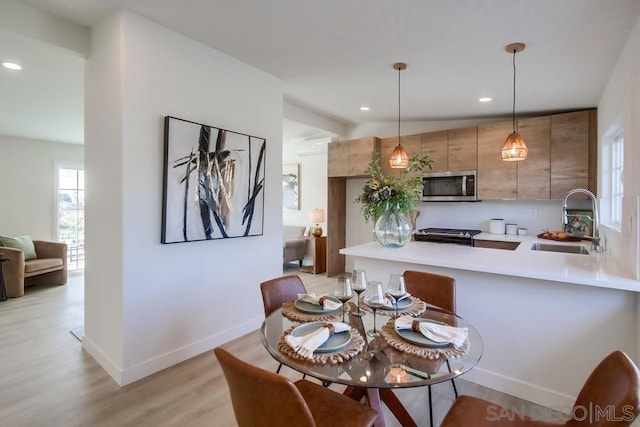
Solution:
(591, 270)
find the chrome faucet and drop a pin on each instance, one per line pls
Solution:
(595, 240)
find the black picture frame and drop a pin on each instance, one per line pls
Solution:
(213, 184)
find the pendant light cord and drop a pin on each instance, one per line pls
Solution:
(399, 71)
(513, 111)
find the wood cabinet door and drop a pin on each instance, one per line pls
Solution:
(569, 152)
(497, 179)
(434, 145)
(463, 149)
(412, 144)
(360, 151)
(338, 159)
(534, 173)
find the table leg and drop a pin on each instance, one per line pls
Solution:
(373, 397)
(397, 408)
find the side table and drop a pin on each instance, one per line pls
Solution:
(3, 291)
(319, 247)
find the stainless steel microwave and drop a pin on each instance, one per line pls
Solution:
(457, 186)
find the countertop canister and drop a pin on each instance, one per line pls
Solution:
(496, 226)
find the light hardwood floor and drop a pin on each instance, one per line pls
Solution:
(46, 379)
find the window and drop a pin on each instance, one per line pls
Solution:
(71, 214)
(612, 183)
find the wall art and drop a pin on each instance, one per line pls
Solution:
(290, 187)
(213, 183)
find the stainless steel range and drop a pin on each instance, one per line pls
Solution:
(446, 235)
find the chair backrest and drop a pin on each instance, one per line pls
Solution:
(279, 290)
(610, 396)
(432, 288)
(262, 398)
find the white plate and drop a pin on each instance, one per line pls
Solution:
(402, 304)
(307, 307)
(335, 341)
(418, 339)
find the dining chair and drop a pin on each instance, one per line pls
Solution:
(610, 397)
(438, 290)
(262, 398)
(280, 290)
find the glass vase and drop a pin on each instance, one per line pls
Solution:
(393, 228)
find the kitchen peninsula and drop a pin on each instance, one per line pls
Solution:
(546, 318)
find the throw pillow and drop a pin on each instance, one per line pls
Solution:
(24, 243)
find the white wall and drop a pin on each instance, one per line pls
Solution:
(619, 107)
(148, 305)
(27, 182)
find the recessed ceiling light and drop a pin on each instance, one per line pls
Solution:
(11, 66)
(364, 108)
(485, 99)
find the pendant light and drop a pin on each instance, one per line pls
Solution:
(514, 148)
(399, 158)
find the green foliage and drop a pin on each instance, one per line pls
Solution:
(399, 192)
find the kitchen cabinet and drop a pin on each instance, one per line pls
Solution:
(462, 149)
(351, 158)
(573, 141)
(534, 179)
(434, 145)
(497, 179)
(412, 144)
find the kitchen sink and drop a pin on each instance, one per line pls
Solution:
(568, 249)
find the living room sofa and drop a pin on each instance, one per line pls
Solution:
(294, 243)
(48, 268)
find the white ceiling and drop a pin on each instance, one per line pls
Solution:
(335, 55)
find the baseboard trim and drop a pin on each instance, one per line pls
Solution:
(134, 373)
(521, 389)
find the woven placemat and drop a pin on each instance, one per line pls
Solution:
(348, 352)
(290, 311)
(392, 338)
(415, 309)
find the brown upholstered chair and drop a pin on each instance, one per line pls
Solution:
(279, 290)
(437, 290)
(48, 268)
(610, 397)
(262, 398)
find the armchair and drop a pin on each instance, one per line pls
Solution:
(49, 267)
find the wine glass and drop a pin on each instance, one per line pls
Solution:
(396, 289)
(343, 292)
(374, 298)
(359, 285)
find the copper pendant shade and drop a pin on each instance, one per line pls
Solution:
(399, 158)
(514, 148)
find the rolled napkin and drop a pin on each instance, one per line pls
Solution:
(305, 345)
(324, 302)
(434, 331)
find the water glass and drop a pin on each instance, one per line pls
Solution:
(396, 289)
(359, 285)
(374, 298)
(343, 292)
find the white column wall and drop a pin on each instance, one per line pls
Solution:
(170, 302)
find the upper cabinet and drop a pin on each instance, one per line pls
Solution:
(572, 142)
(412, 144)
(562, 155)
(496, 178)
(462, 151)
(534, 179)
(351, 158)
(434, 145)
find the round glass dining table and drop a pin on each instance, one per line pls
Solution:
(380, 367)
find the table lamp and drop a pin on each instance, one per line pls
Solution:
(316, 216)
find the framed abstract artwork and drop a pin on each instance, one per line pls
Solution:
(213, 183)
(290, 187)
